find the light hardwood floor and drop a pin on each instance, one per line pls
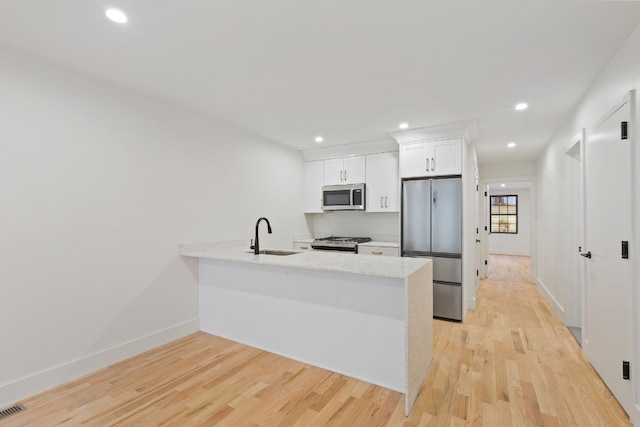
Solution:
(512, 363)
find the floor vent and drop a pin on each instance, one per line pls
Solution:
(11, 411)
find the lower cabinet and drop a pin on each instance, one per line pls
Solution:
(378, 250)
(302, 246)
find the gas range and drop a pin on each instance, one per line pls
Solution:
(334, 243)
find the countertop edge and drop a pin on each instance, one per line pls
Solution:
(393, 267)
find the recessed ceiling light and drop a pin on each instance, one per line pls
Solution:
(116, 16)
(511, 144)
(403, 125)
(319, 139)
(522, 106)
(503, 185)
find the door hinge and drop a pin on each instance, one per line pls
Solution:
(625, 370)
(485, 262)
(625, 249)
(477, 187)
(623, 130)
(485, 194)
(477, 230)
(477, 272)
(485, 228)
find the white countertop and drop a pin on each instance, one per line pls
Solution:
(312, 260)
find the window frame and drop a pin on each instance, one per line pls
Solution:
(491, 214)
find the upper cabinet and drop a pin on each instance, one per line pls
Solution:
(382, 182)
(313, 182)
(431, 158)
(345, 170)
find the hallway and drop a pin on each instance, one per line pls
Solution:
(509, 268)
(513, 362)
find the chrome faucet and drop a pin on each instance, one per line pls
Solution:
(256, 246)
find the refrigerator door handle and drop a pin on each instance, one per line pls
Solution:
(435, 198)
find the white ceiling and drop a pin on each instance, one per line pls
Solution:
(350, 70)
(509, 185)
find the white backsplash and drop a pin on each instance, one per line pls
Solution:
(382, 227)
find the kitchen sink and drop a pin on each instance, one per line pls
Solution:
(279, 252)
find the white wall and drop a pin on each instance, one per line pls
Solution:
(98, 186)
(506, 170)
(620, 76)
(514, 244)
(380, 226)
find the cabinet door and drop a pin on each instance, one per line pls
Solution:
(432, 158)
(416, 160)
(313, 181)
(354, 170)
(378, 250)
(302, 246)
(382, 182)
(334, 171)
(447, 157)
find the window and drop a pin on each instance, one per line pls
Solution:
(504, 214)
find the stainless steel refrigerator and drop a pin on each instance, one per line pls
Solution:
(432, 228)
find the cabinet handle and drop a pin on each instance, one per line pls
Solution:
(304, 247)
(426, 168)
(376, 253)
(381, 197)
(341, 176)
(433, 164)
(386, 201)
(345, 176)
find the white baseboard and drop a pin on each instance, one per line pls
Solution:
(551, 299)
(12, 392)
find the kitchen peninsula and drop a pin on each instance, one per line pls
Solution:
(363, 316)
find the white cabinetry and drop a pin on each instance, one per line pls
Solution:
(302, 246)
(344, 170)
(382, 182)
(431, 158)
(313, 181)
(382, 250)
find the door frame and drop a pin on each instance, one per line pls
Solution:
(574, 267)
(634, 122)
(484, 219)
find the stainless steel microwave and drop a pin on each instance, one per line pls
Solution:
(343, 197)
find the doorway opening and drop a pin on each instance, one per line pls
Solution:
(509, 209)
(573, 239)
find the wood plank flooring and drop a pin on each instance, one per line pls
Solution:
(512, 363)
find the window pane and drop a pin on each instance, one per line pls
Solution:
(504, 214)
(495, 228)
